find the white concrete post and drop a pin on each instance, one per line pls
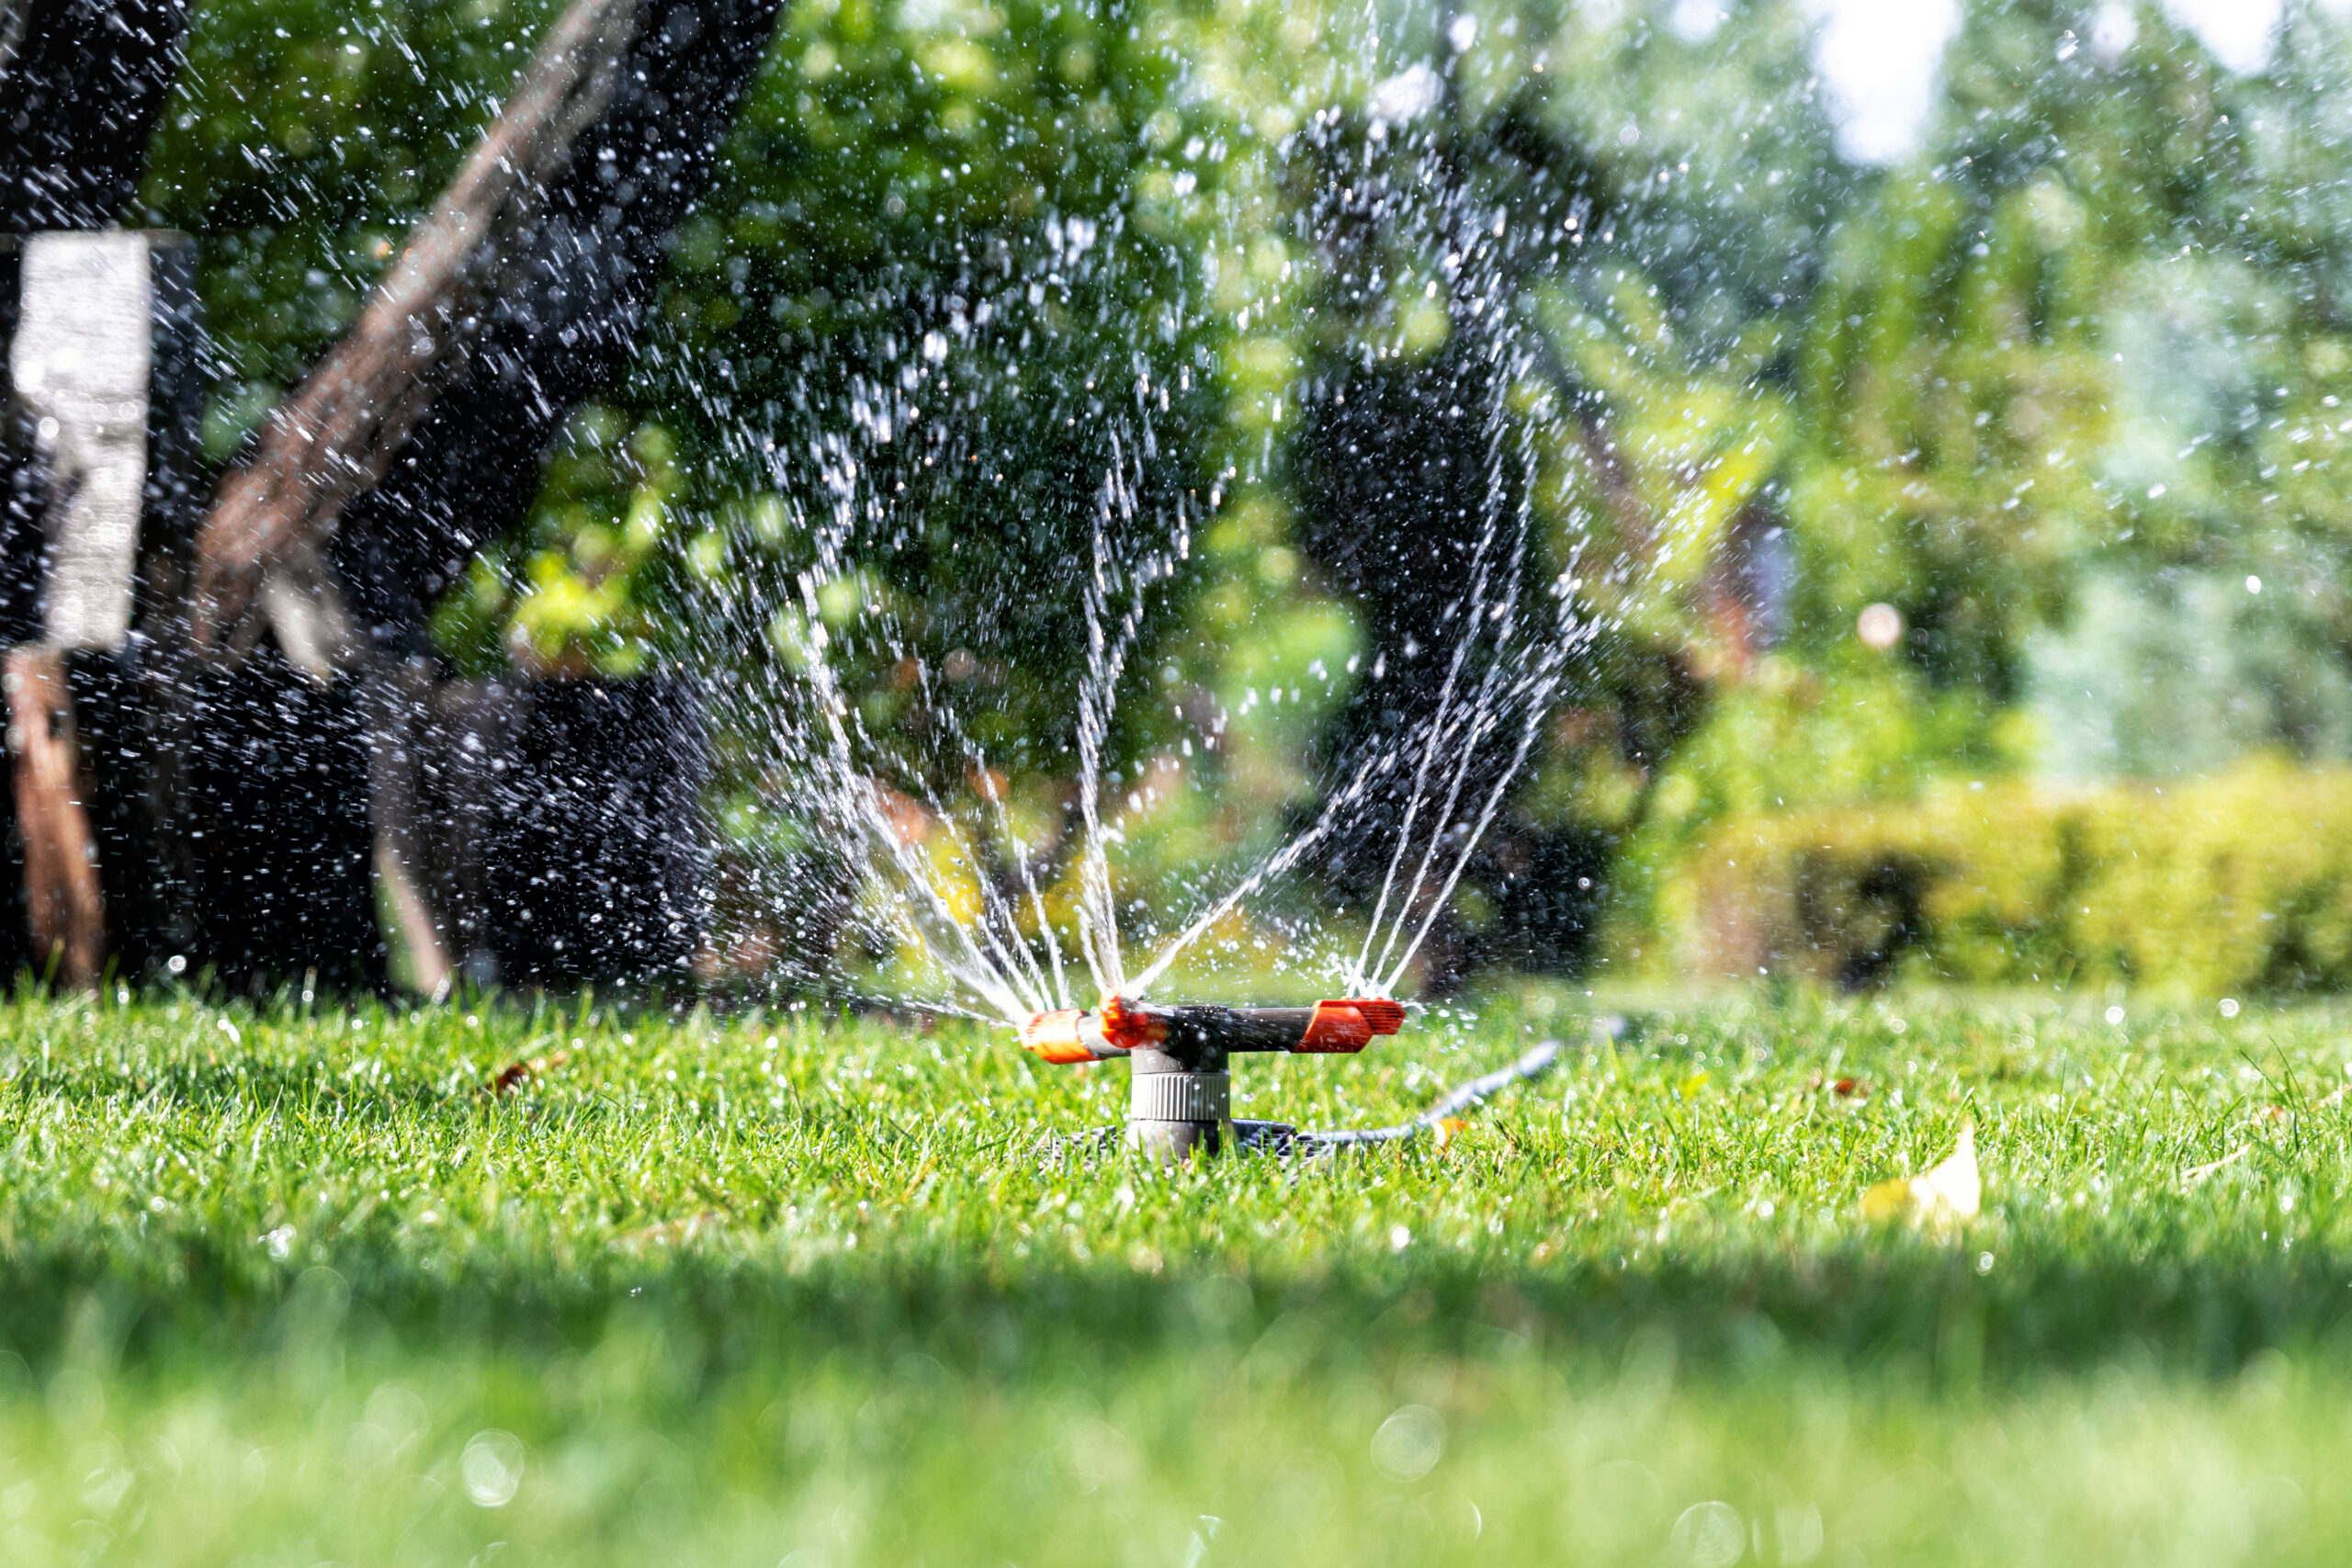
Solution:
(82, 363)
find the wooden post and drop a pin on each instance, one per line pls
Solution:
(82, 361)
(63, 903)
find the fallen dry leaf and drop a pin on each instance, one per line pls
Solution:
(1949, 1196)
(515, 1075)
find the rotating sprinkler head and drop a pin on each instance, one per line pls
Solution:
(1181, 1096)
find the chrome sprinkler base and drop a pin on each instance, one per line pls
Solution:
(1175, 1111)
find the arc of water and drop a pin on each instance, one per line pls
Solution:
(985, 957)
(996, 926)
(853, 797)
(1098, 699)
(985, 967)
(1094, 867)
(1496, 620)
(1485, 617)
(1274, 865)
(948, 939)
(1533, 696)
(988, 955)
(1059, 989)
(1389, 982)
(1539, 694)
(1435, 734)
(1412, 810)
(943, 934)
(1473, 730)
(1000, 926)
(1434, 731)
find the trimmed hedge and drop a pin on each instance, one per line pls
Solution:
(2237, 882)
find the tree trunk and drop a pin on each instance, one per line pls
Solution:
(335, 436)
(583, 277)
(81, 83)
(61, 898)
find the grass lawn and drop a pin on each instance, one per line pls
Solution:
(279, 1288)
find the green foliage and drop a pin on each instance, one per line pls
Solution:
(1641, 503)
(2068, 378)
(2180, 675)
(1957, 397)
(279, 1286)
(574, 602)
(2237, 883)
(1861, 734)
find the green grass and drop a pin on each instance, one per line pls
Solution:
(285, 1289)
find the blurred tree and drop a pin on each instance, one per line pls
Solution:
(1554, 264)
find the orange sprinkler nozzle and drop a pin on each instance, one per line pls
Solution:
(1133, 1026)
(1122, 1026)
(1066, 1036)
(1347, 1026)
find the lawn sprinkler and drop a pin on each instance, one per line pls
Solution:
(1181, 1096)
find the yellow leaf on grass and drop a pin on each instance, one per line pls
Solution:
(1950, 1195)
(1887, 1201)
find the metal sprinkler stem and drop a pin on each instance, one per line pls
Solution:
(1175, 1105)
(1180, 1098)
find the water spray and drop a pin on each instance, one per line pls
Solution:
(1180, 1098)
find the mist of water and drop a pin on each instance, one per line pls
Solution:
(1011, 915)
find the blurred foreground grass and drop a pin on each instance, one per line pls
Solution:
(288, 1289)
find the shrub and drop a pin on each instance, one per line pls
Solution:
(2239, 881)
